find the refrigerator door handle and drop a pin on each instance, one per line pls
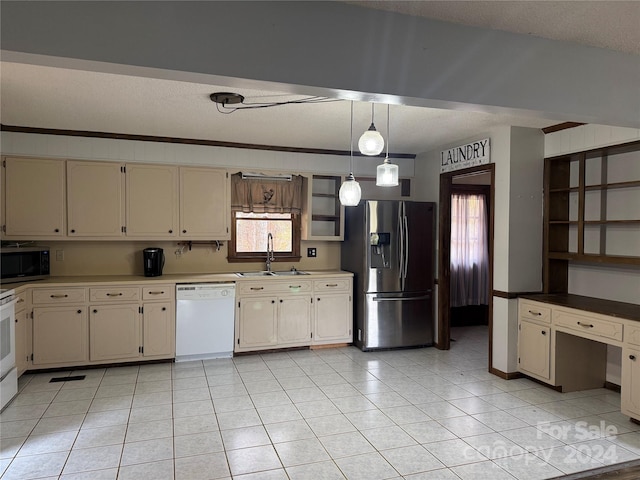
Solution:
(401, 246)
(406, 249)
(401, 299)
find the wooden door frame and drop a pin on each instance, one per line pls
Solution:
(444, 254)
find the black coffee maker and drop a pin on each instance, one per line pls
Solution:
(153, 262)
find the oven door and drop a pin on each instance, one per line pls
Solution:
(7, 339)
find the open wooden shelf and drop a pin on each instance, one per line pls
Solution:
(576, 225)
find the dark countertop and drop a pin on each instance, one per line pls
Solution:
(630, 311)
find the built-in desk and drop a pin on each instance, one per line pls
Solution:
(562, 341)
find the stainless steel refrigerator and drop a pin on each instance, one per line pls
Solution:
(389, 246)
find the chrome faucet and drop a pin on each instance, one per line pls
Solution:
(270, 257)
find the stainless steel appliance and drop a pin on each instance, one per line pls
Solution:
(204, 320)
(153, 262)
(8, 372)
(18, 264)
(389, 246)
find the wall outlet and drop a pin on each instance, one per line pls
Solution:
(59, 255)
(311, 252)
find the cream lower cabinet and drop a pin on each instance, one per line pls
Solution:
(158, 330)
(534, 349)
(256, 323)
(294, 320)
(23, 334)
(114, 332)
(332, 311)
(631, 382)
(274, 313)
(60, 335)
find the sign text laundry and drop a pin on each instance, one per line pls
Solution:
(464, 156)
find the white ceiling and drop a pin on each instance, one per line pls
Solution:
(48, 97)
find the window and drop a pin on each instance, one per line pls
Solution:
(249, 236)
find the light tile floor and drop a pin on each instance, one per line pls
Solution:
(324, 414)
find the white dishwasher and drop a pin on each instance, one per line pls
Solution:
(204, 320)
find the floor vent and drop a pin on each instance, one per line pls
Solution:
(67, 379)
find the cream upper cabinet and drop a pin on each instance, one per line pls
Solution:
(204, 203)
(322, 213)
(34, 197)
(95, 199)
(152, 201)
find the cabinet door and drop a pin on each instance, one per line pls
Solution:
(630, 394)
(152, 201)
(22, 359)
(257, 325)
(158, 329)
(114, 332)
(333, 319)
(60, 335)
(204, 203)
(534, 347)
(294, 320)
(35, 197)
(95, 199)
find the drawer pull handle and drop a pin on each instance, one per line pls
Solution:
(156, 293)
(632, 357)
(59, 296)
(585, 325)
(257, 288)
(331, 285)
(20, 300)
(543, 332)
(114, 294)
(295, 286)
(538, 314)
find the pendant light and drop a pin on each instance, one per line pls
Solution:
(350, 189)
(387, 173)
(371, 142)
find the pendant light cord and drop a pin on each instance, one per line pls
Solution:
(388, 133)
(351, 142)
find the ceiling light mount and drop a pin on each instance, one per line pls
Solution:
(226, 98)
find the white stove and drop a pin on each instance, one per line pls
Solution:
(8, 372)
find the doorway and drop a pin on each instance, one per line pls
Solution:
(475, 182)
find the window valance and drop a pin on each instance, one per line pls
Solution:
(266, 195)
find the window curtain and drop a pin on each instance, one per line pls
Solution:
(266, 195)
(469, 251)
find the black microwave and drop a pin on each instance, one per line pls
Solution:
(22, 264)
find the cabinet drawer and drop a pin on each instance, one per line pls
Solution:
(632, 334)
(53, 296)
(332, 285)
(534, 311)
(158, 292)
(114, 294)
(274, 286)
(588, 324)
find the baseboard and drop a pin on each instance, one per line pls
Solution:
(612, 386)
(331, 345)
(505, 375)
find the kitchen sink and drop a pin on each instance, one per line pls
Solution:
(286, 273)
(255, 274)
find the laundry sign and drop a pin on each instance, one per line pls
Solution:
(465, 156)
